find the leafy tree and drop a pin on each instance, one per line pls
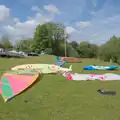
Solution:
(95, 50)
(49, 35)
(48, 51)
(24, 45)
(111, 50)
(87, 50)
(6, 42)
(71, 52)
(74, 44)
(41, 38)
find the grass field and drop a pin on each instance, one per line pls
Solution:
(55, 98)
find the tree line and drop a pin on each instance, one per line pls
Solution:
(50, 37)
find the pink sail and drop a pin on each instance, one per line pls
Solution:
(12, 84)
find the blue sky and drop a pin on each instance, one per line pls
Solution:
(85, 20)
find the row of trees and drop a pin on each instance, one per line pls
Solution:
(111, 50)
(50, 37)
(5, 42)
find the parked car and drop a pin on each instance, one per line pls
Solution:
(33, 54)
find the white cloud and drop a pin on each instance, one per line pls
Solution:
(94, 2)
(97, 30)
(94, 34)
(92, 12)
(4, 13)
(83, 24)
(70, 29)
(52, 9)
(35, 8)
(21, 30)
(42, 18)
(16, 20)
(100, 31)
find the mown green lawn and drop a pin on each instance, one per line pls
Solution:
(55, 98)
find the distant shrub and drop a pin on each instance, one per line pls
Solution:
(71, 52)
(118, 61)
